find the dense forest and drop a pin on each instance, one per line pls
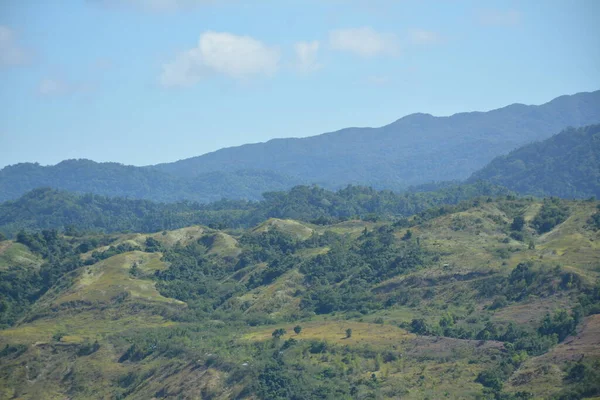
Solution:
(52, 209)
(113, 179)
(565, 165)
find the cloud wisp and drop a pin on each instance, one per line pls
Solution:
(307, 56)
(425, 37)
(11, 53)
(499, 17)
(49, 87)
(364, 42)
(238, 57)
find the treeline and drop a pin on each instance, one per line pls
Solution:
(46, 208)
(21, 287)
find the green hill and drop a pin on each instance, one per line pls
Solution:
(53, 209)
(565, 165)
(491, 298)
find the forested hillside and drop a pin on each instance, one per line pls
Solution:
(417, 149)
(491, 299)
(53, 209)
(113, 179)
(565, 165)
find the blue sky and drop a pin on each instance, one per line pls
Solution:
(147, 81)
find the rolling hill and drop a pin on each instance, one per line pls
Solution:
(566, 165)
(459, 304)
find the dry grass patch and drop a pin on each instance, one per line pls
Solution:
(109, 278)
(291, 227)
(14, 254)
(335, 332)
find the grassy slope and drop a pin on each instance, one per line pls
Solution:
(106, 300)
(17, 255)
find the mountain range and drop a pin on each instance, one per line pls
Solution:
(413, 150)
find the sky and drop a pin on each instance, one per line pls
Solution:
(147, 81)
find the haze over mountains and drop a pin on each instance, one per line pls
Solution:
(413, 150)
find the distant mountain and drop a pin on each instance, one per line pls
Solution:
(565, 165)
(113, 179)
(418, 148)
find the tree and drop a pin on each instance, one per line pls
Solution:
(348, 333)
(517, 224)
(134, 270)
(277, 333)
(297, 329)
(2, 237)
(419, 326)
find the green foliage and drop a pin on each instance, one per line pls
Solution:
(528, 279)
(552, 213)
(560, 324)
(88, 348)
(518, 223)
(492, 379)
(594, 220)
(21, 287)
(582, 381)
(297, 329)
(277, 333)
(47, 208)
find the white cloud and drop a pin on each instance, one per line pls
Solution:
(364, 42)
(500, 17)
(238, 57)
(306, 56)
(420, 36)
(11, 53)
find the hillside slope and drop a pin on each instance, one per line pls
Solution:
(416, 149)
(460, 301)
(565, 165)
